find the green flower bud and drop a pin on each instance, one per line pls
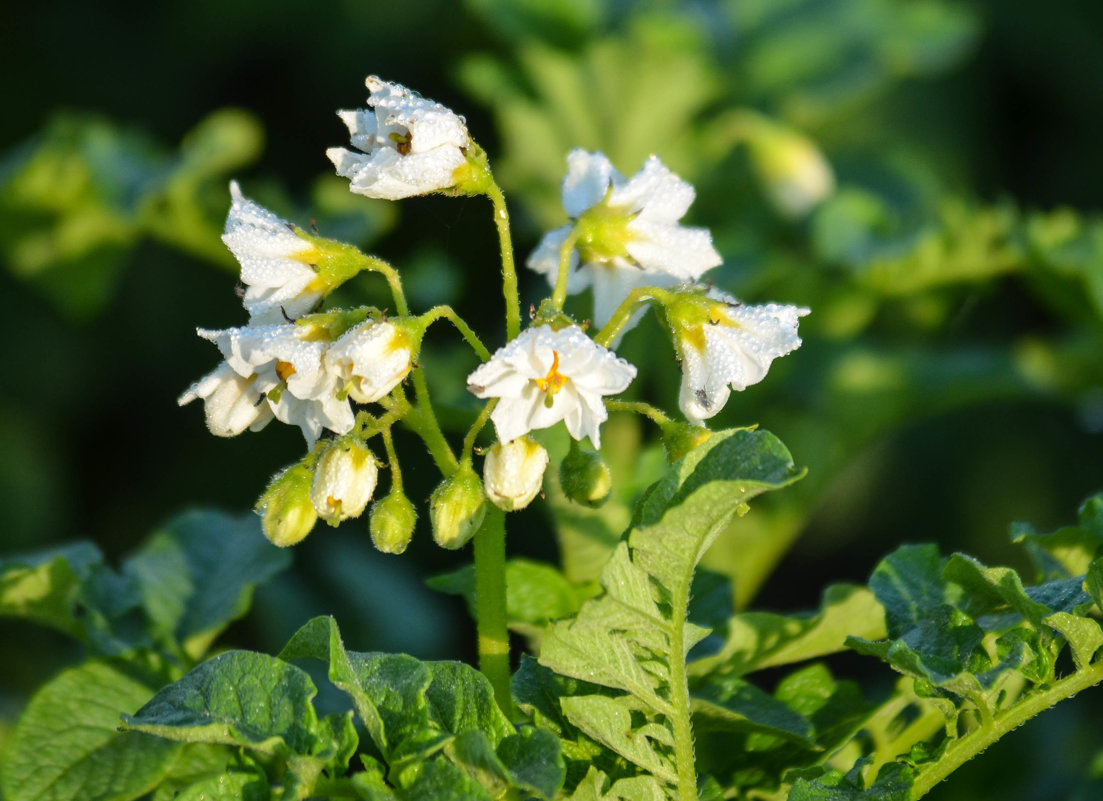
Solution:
(392, 523)
(584, 477)
(457, 508)
(287, 515)
(514, 472)
(794, 173)
(344, 480)
(680, 438)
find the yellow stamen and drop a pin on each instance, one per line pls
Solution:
(284, 370)
(554, 380)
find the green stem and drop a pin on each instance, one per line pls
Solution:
(559, 294)
(392, 461)
(639, 407)
(423, 422)
(966, 747)
(448, 313)
(490, 605)
(476, 427)
(623, 314)
(509, 271)
(377, 265)
(679, 695)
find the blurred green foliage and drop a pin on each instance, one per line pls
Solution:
(950, 380)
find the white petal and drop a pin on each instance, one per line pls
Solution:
(684, 253)
(655, 193)
(589, 176)
(229, 401)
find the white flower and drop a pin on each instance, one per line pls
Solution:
(371, 359)
(409, 145)
(514, 472)
(232, 403)
(629, 232)
(285, 366)
(344, 481)
(731, 349)
(544, 376)
(275, 262)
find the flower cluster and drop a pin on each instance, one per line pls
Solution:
(306, 367)
(295, 370)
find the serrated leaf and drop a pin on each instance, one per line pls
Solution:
(1084, 636)
(196, 574)
(236, 698)
(609, 721)
(67, 746)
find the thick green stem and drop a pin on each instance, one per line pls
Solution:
(423, 422)
(968, 746)
(559, 294)
(509, 270)
(448, 313)
(490, 605)
(679, 696)
(623, 314)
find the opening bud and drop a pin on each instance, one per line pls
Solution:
(457, 507)
(287, 515)
(584, 477)
(344, 480)
(392, 522)
(514, 472)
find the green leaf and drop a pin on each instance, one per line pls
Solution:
(230, 786)
(536, 593)
(636, 636)
(908, 583)
(197, 574)
(237, 698)
(1084, 636)
(609, 721)
(67, 746)
(757, 640)
(45, 588)
(533, 759)
(893, 783)
(731, 704)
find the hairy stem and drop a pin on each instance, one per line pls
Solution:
(448, 313)
(679, 696)
(476, 427)
(968, 746)
(623, 314)
(559, 294)
(392, 461)
(509, 271)
(423, 422)
(490, 605)
(377, 265)
(639, 407)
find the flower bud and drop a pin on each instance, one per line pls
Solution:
(514, 472)
(793, 171)
(457, 508)
(680, 438)
(585, 478)
(344, 480)
(392, 522)
(287, 515)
